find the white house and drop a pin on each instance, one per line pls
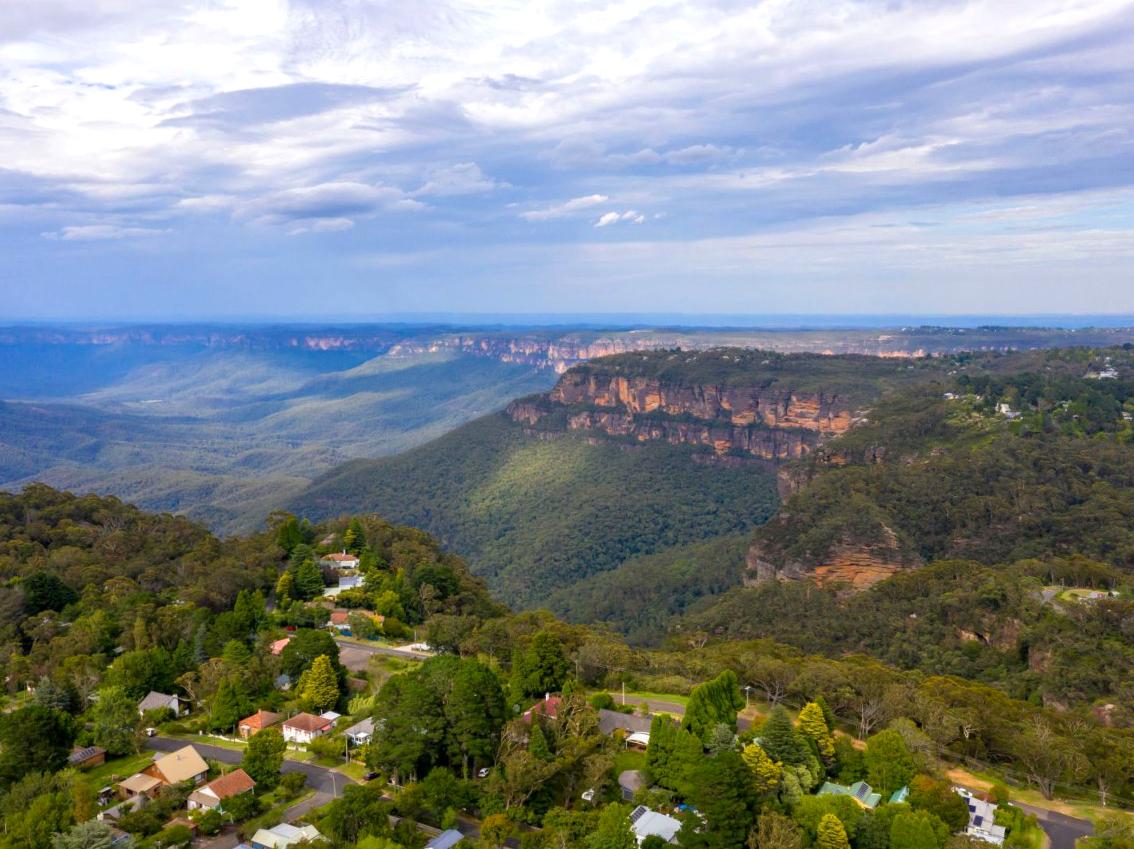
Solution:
(982, 819)
(445, 840)
(360, 733)
(646, 823)
(305, 727)
(212, 795)
(283, 836)
(339, 561)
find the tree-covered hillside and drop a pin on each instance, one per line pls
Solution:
(535, 515)
(1011, 626)
(994, 468)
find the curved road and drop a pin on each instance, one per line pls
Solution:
(327, 783)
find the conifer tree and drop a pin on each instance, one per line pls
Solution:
(831, 834)
(319, 686)
(713, 703)
(285, 590)
(813, 724)
(537, 743)
(766, 772)
(308, 580)
(781, 741)
(229, 706)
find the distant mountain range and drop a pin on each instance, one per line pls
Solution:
(227, 422)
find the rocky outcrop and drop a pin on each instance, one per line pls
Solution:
(854, 564)
(823, 413)
(773, 424)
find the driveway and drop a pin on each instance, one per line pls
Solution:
(1061, 829)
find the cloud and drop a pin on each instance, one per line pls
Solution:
(209, 120)
(608, 218)
(565, 209)
(101, 232)
(253, 106)
(464, 178)
(327, 202)
(697, 154)
(322, 225)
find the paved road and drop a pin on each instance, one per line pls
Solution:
(657, 706)
(356, 656)
(319, 778)
(1062, 830)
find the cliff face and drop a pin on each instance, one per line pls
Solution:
(556, 354)
(856, 564)
(766, 422)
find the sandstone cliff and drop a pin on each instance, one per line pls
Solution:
(770, 422)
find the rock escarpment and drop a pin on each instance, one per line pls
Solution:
(771, 422)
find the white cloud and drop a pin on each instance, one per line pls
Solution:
(336, 202)
(464, 178)
(608, 218)
(100, 232)
(562, 210)
(698, 154)
(322, 225)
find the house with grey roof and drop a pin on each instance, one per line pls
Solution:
(159, 701)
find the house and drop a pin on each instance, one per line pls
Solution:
(646, 823)
(860, 791)
(257, 722)
(305, 727)
(549, 707)
(279, 645)
(284, 836)
(361, 733)
(87, 757)
(611, 720)
(346, 582)
(115, 813)
(630, 782)
(185, 764)
(139, 786)
(445, 840)
(899, 796)
(982, 818)
(159, 701)
(212, 795)
(340, 621)
(639, 740)
(339, 561)
(331, 717)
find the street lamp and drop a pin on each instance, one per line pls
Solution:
(747, 690)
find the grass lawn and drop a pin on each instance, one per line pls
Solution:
(118, 768)
(275, 814)
(354, 769)
(676, 698)
(980, 780)
(629, 759)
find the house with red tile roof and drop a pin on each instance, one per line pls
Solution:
(305, 727)
(257, 722)
(212, 795)
(549, 707)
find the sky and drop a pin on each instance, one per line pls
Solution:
(184, 159)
